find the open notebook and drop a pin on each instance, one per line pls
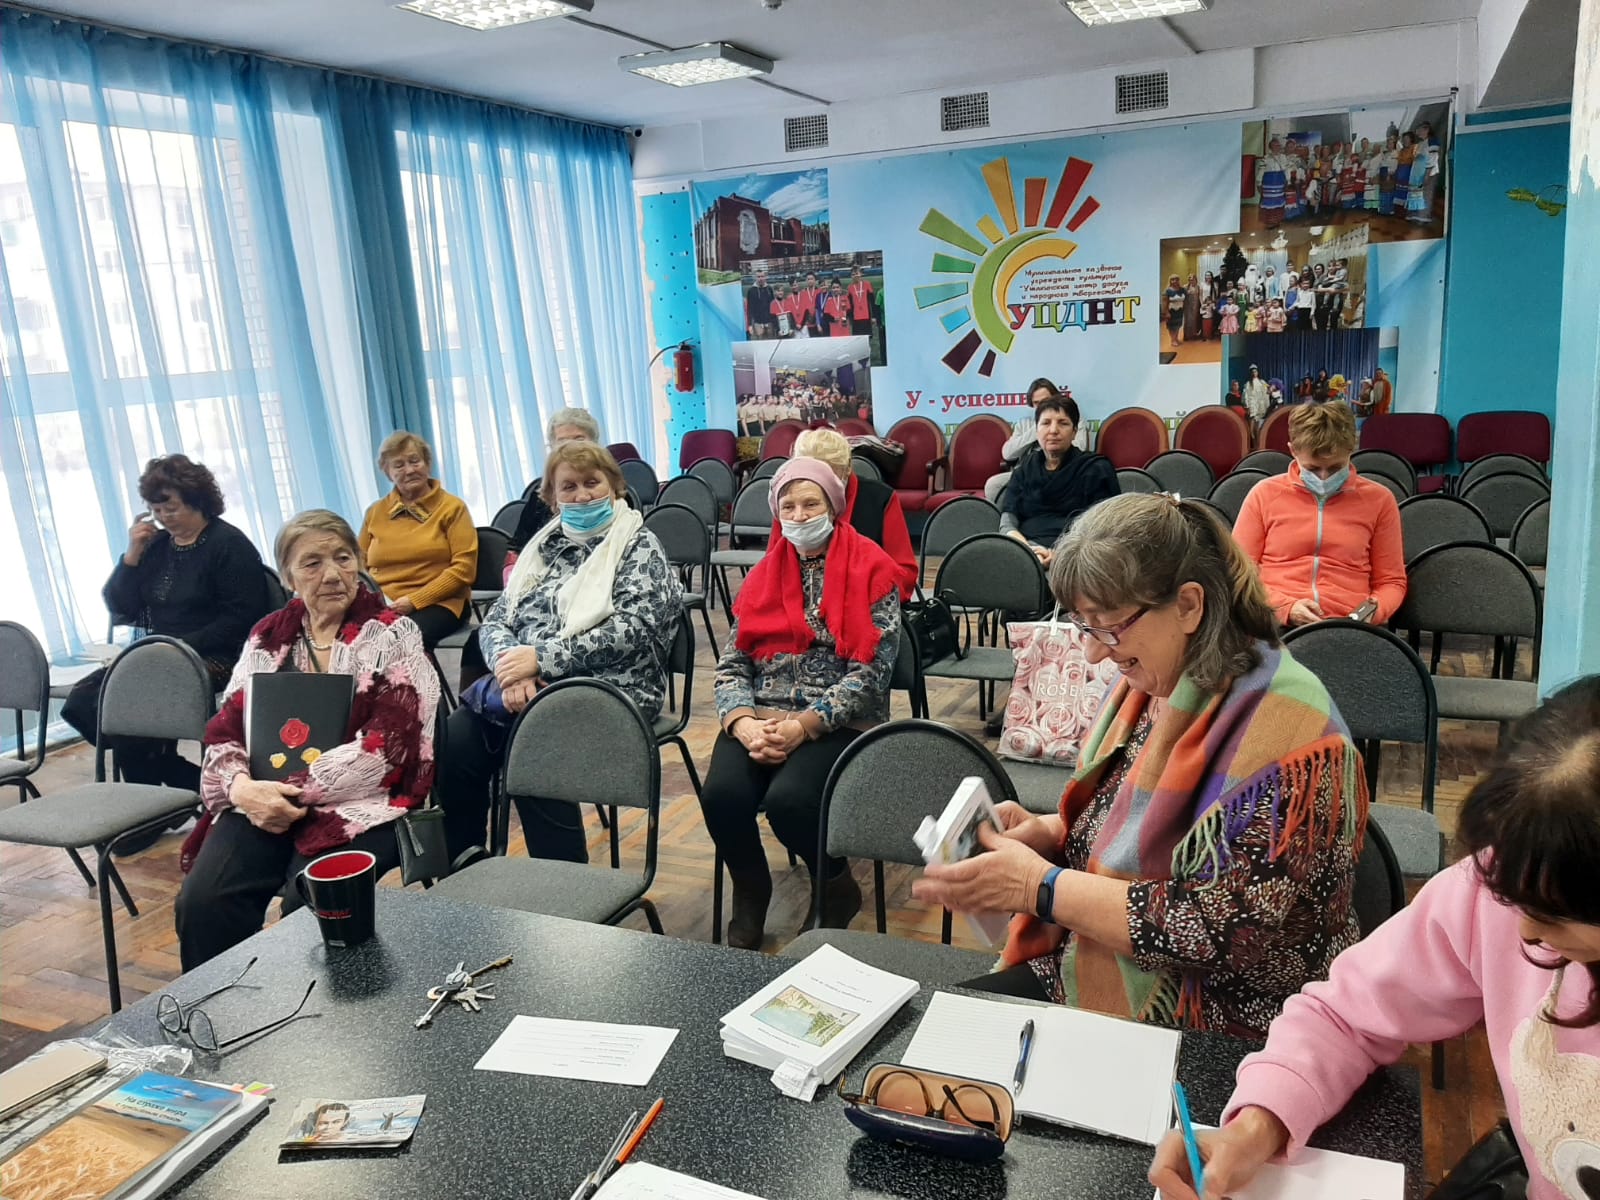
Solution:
(1089, 1071)
(1325, 1175)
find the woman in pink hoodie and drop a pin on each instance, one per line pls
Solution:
(1509, 936)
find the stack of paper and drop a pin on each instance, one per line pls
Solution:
(1086, 1070)
(1325, 1175)
(807, 1024)
(641, 1181)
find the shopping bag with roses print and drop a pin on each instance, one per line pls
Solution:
(1055, 694)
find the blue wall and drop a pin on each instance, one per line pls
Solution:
(670, 282)
(1502, 321)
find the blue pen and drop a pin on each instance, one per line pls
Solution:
(1190, 1142)
(1024, 1051)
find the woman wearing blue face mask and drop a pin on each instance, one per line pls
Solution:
(1327, 541)
(807, 668)
(591, 596)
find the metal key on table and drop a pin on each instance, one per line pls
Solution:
(469, 996)
(453, 983)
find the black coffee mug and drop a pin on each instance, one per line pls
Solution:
(341, 889)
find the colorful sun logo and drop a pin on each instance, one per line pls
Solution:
(981, 301)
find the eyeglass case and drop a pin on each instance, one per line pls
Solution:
(930, 1133)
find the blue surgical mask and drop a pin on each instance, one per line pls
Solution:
(1323, 488)
(809, 536)
(586, 518)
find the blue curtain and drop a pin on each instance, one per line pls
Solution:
(270, 268)
(1290, 357)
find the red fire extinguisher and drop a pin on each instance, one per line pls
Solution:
(683, 367)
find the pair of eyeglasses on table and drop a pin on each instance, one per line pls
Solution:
(188, 1019)
(944, 1114)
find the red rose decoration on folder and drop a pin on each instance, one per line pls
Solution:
(294, 733)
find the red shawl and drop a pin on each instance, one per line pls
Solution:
(771, 606)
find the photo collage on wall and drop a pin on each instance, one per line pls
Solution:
(808, 326)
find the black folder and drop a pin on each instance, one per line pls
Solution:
(292, 717)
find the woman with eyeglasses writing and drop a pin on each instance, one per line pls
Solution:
(1200, 869)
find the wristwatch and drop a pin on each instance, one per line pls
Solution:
(1044, 905)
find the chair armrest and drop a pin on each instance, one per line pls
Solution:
(941, 463)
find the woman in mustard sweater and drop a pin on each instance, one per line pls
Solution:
(419, 542)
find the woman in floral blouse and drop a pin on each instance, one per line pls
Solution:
(592, 596)
(815, 633)
(1201, 868)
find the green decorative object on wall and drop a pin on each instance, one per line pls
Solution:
(1552, 201)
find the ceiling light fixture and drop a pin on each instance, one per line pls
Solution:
(708, 62)
(495, 14)
(1114, 12)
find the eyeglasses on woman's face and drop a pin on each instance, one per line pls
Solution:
(1108, 635)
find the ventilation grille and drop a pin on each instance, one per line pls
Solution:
(805, 133)
(969, 111)
(1141, 93)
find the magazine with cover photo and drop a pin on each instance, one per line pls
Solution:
(353, 1124)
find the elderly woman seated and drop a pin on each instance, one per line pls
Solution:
(870, 506)
(807, 668)
(262, 832)
(1049, 489)
(592, 596)
(419, 541)
(1200, 870)
(568, 425)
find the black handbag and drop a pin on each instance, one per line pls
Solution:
(932, 626)
(424, 854)
(1492, 1170)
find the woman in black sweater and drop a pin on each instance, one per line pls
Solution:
(188, 574)
(1052, 485)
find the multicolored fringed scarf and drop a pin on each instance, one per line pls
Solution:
(1188, 796)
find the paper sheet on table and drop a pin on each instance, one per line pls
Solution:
(593, 1050)
(1325, 1175)
(641, 1181)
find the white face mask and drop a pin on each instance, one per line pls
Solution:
(808, 536)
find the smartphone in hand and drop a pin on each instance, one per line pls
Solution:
(1366, 612)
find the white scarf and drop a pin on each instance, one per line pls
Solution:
(584, 600)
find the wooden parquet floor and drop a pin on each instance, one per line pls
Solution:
(52, 969)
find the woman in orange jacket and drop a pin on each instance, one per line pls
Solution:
(1327, 542)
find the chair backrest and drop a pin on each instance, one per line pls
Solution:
(1397, 488)
(1470, 587)
(890, 778)
(856, 427)
(994, 572)
(718, 475)
(535, 485)
(1137, 479)
(753, 504)
(1530, 536)
(1504, 498)
(277, 594)
(1131, 437)
(1500, 464)
(1273, 462)
(641, 477)
(1422, 439)
(509, 515)
(953, 522)
(720, 444)
(907, 675)
(1434, 519)
(1274, 431)
(975, 451)
(493, 546)
(923, 442)
(865, 468)
(779, 440)
(682, 533)
(1181, 471)
(1228, 494)
(680, 661)
(1388, 462)
(624, 451)
(1217, 434)
(693, 493)
(1481, 434)
(156, 688)
(1380, 889)
(25, 682)
(768, 467)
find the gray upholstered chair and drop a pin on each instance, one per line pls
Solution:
(1181, 471)
(1380, 890)
(1395, 466)
(641, 478)
(1470, 587)
(493, 546)
(1530, 540)
(1500, 464)
(768, 467)
(1502, 498)
(540, 762)
(1434, 518)
(25, 688)
(1385, 694)
(1273, 462)
(718, 476)
(1136, 480)
(277, 594)
(1383, 479)
(508, 516)
(687, 543)
(878, 792)
(953, 522)
(907, 675)
(696, 495)
(1039, 787)
(752, 522)
(157, 688)
(1228, 493)
(865, 468)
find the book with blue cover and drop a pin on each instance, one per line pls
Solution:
(102, 1151)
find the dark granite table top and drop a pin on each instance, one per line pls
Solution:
(490, 1134)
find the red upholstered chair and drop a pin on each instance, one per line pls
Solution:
(975, 455)
(1422, 439)
(1482, 434)
(1131, 437)
(1274, 432)
(720, 444)
(779, 442)
(1217, 434)
(924, 446)
(625, 452)
(856, 427)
